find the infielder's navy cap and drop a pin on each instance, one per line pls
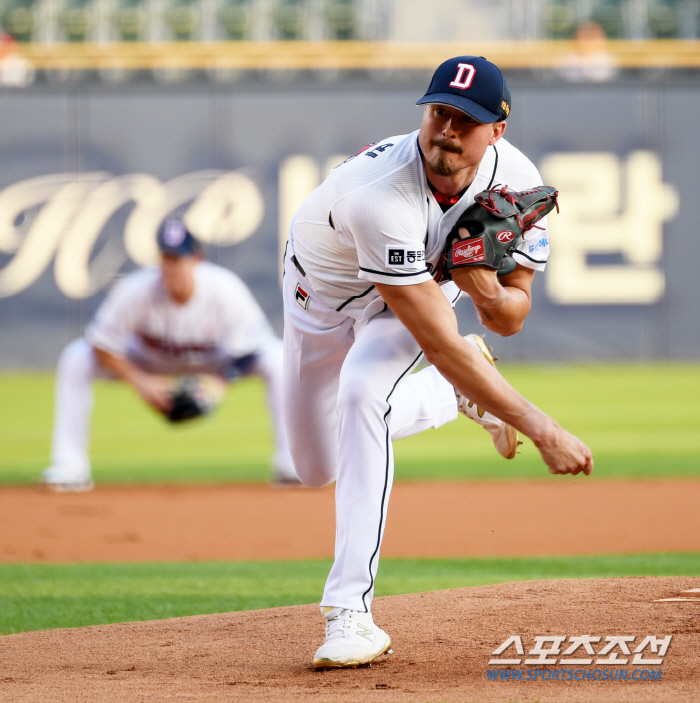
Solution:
(473, 85)
(175, 239)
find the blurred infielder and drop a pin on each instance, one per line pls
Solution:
(367, 252)
(187, 316)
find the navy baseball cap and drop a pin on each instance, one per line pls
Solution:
(473, 85)
(175, 239)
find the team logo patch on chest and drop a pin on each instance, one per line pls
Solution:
(468, 252)
(405, 257)
(302, 297)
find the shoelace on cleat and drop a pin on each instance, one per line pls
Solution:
(338, 625)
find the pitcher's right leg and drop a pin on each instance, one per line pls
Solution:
(427, 400)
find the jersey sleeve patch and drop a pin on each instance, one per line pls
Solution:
(534, 253)
(409, 257)
(540, 246)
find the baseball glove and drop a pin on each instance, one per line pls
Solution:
(494, 226)
(193, 396)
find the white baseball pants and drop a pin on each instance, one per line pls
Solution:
(348, 393)
(78, 367)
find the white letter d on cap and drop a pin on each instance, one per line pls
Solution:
(460, 80)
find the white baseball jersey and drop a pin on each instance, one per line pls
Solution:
(375, 220)
(221, 320)
(349, 390)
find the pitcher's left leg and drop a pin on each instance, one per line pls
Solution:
(383, 355)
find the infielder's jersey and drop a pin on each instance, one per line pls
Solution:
(375, 220)
(221, 321)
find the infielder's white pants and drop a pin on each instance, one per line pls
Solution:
(78, 368)
(348, 393)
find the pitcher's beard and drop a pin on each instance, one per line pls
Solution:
(441, 166)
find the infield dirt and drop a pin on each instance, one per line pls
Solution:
(253, 522)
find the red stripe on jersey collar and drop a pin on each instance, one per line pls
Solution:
(445, 199)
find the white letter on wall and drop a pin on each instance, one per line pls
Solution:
(607, 208)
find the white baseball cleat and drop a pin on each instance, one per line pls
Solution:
(352, 639)
(64, 481)
(505, 437)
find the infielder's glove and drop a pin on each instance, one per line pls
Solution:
(193, 396)
(495, 224)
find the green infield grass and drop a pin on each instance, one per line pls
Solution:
(640, 421)
(47, 596)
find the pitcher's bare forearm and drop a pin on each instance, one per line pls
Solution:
(428, 316)
(425, 312)
(468, 371)
(501, 303)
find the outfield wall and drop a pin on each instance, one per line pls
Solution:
(88, 173)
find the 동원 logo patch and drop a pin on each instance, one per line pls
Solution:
(408, 257)
(468, 252)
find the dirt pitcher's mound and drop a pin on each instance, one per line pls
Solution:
(443, 642)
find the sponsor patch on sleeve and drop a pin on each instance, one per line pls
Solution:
(540, 244)
(405, 257)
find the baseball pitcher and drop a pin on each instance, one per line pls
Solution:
(377, 257)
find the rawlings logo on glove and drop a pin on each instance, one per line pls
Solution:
(505, 237)
(494, 227)
(466, 252)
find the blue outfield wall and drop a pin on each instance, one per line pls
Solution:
(88, 173)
